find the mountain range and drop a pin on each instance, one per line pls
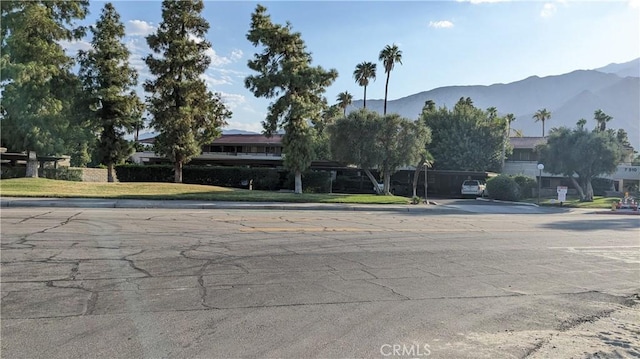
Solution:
(614, 89)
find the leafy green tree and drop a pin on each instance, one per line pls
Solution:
(364, 72)
(541, 116)
(462, 139)
(389, 56)
(368, 140)
(38, 87)
(602, 119)
(185, 113)
(108, 83)
(344, 100)
(284, 71)
(580, 155)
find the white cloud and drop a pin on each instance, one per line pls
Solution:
(212, 81)
(443, 24)
(139, 28)
(236, 54)
(634, 4)
(548, 10)
(217, 60)
(232, 100)
(72, 47)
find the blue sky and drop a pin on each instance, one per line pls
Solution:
(476, 42)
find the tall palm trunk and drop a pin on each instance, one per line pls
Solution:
(543, 128)
(386, 89)
(365, 97)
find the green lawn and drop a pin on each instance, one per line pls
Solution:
(574, 202)
(40, 187)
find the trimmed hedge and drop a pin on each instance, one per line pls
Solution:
(140, 173)
(238, 177)
(312, 182)
(13, 172)
(504, 188)
(601, 186)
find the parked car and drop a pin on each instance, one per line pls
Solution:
(473, 188)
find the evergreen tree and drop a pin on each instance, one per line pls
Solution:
(108, 80)
(185, 113)
(284, 67)
(38, 87)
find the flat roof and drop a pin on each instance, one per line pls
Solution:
(527, 142)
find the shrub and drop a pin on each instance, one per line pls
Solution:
(141, 173)
(13, 172)
(527, 185)
(238, 177)
(503, 188)
(601, 185)
(312, 182)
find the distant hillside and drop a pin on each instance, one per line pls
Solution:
(568, 97)
(631, 68)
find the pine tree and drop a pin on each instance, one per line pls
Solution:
(185, 113)
(284, 67)
(38, 87)
(108, 83)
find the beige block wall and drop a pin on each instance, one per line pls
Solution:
(95, 175)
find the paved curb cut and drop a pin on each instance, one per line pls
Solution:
(507, 202)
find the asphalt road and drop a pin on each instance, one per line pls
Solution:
(471, 282)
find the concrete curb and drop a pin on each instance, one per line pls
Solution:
(507, 202)
(183, 204)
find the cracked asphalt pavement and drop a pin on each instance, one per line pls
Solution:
(167, 283)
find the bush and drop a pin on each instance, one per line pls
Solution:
(238, 177)
(503, 188)
(13, 172)
(601, 185)
(141, 173)
(312, 182)
(527, 185)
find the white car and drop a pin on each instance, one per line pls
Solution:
(473, 188)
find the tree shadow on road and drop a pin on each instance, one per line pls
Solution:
(625, 224)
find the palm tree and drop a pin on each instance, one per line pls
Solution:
(364, 72)
(429, 106)
(542, 115)
(492, 113)
(508, 119)
(344, 99)
(389, 56)
(602, 119)
(581, 123)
